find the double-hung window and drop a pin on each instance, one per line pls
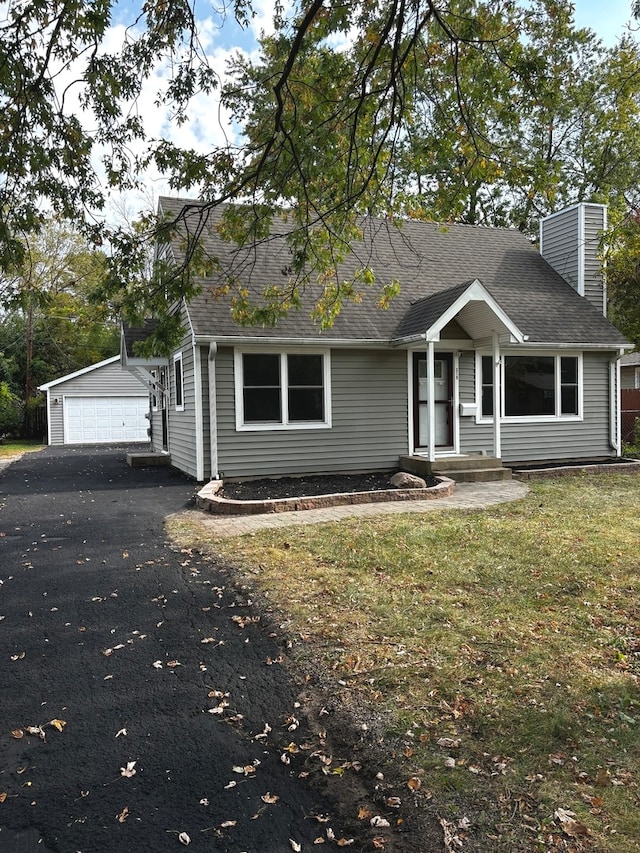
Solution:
(277, 390)
(533, 386)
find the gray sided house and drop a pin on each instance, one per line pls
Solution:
(630, 371)
(100, 404)
(491, 348)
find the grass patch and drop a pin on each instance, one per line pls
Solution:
(513, 632)
(14, 446)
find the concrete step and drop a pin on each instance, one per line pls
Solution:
(147, 460)
(474, 475)
(464, 469)
(465, 463)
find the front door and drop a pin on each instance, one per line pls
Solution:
(443, 399)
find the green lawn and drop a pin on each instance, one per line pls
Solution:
(16, 446)
(511, 633)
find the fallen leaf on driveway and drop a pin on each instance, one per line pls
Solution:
(247, 770)
(295, 846)
(243, 621)
(35, 730)
(58, 724)
(17, 734)
(121, 732)
(3, 796)
(124, 814)
(377, 820)
(184, 838)
(173, 663)
(269, 798)
(129, 770)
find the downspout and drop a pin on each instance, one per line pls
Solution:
(497, 397)
(197, 371)
(614, 404)
(213, 418)
(431, 403)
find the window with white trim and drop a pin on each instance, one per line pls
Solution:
(533, 386)
(178, 382)
(486, 383)
(281, 389)
(637, 382)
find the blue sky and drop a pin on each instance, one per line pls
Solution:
(607, 18)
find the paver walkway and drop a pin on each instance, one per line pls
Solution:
(465, 496)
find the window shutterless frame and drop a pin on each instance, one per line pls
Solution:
(178, 383)
(282, 389)
(536, 387)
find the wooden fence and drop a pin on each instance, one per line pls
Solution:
(629, 410)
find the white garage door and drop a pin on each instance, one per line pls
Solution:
(91, 420)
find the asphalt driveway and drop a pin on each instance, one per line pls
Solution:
(143, 705)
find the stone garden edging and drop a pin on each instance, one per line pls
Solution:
(208, 499)
(632, 467)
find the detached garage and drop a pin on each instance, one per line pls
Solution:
(101, 404)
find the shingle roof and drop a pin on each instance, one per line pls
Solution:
(423, 313)
(426, 259)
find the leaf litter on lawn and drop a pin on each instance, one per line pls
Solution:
(510, 632)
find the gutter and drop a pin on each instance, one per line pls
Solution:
(320, 343)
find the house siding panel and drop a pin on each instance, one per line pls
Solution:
(369, 422)
(594, 225)
(474, 437)
(156, 431)
(564, 247)
(628, 376)
(567, 439)
(560, 239)
(182, 424)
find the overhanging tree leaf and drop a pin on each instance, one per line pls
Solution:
(490, 112)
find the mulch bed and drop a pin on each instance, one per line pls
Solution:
(298, 487)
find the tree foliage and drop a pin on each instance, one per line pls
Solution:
(623, 277)
(51, 324)
(482, 111)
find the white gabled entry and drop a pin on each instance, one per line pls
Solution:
(488, 326)
(96, 420)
